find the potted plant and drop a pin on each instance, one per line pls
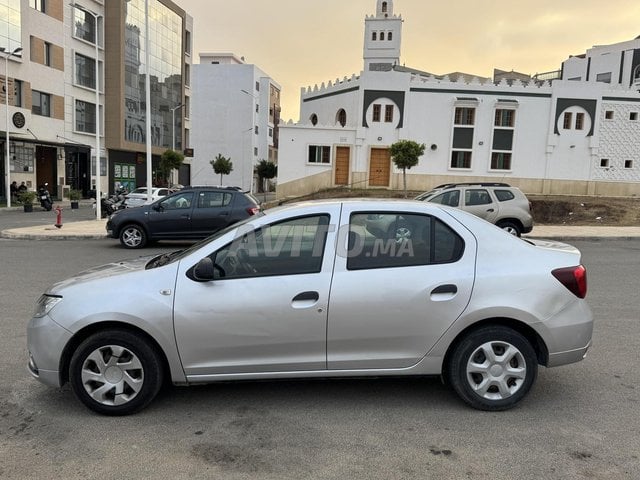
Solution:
(26, 198)
(74, 196)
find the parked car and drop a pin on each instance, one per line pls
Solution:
(315, 290)
(139, 196)
(498, 203)
(191, 213)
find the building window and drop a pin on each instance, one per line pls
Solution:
(319, 154)
(384, 7)
(460, 159)
(40, 5)
(17, 93)
(41, 103)
(500, 161)
(85, 117)
(47, 54)
(382, 36)
(568, 120)
(505, 118)
(85, 71)
(374, 36)
(271, 132)
(22, 158)
(604, 162)
(187, 42)
(579, 121)
(255, 151)
(256, 130)
(465, 116)
(377, 109)
(257, 86)
(257, 108)
(608, 115)
(628, 164)
(388, 113)
(390, 36)
(633, 116)
(187, 74)
(187, 107)
(314, 119)
(342, 117)
(604, 77)
(84, 25)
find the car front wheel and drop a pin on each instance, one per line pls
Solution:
(133, 236)
(115, 372)
(492, 368)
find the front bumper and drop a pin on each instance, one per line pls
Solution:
(46, 341)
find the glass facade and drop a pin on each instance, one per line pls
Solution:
(10, 29)
(165, 52)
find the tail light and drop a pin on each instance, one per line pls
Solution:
(574, 278)
(253, 210)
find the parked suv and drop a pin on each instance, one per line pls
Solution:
(191, 213)
(498, 203)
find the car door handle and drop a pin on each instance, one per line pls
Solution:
(306, 296)
(491, 210)
(444, 289)
(185, 216)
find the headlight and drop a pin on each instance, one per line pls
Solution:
(44, 304)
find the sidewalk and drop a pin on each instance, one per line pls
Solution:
(95, 229)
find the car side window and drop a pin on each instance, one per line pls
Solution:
(476, 197)
(292, 247)
(389, 240)
(177, 202)
(504, 195)
(450, 199)
(214, 199)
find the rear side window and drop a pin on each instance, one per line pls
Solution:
(504, 195)
(214, 199)
(476, 197)
(389, 240)
(450, 199)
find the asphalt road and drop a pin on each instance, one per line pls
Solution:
(579, 421)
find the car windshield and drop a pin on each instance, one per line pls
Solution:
(167, 258)
(426, 195)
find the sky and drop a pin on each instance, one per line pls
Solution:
(301, 43)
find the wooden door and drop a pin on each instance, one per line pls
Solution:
(342, 166)
(379, 167)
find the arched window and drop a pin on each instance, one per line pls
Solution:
(381, 35)
(341, 117)
(390, 36)
(384, 7)
(314, 119)
(374, 36)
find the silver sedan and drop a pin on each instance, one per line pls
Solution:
(320, 289)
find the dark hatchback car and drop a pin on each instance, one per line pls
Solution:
(191, 213)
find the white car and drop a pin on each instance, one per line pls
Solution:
(341, 288)
(138, 197)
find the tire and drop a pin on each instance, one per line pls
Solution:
(510, 227)
(492, 368)
(133, 236)
(100, 378)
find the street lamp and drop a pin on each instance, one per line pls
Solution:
(96, 16)
(7, 163)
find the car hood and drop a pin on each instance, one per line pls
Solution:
(101, 272)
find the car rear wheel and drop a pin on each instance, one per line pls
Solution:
(133, 236)
(492, 368)
(510, 227)
(115, 372)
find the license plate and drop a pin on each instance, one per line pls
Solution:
(43, 197)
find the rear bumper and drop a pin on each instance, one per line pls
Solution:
(565, 358)
(568, 334)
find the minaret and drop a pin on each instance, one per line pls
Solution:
(382, 38)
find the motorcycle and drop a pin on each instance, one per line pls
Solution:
(115, 202)
(45, 197)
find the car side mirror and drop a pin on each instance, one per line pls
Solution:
(204, 270)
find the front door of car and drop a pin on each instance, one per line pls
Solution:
(479, 202)
(171, 217)
(266, 308)
(394, 294)
(212, 212)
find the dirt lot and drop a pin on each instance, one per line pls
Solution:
(547, 210)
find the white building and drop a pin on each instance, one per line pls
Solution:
(235, 113)
(571, 134)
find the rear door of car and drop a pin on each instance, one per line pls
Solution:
(393, 296)
(478, 200)
(212, 212)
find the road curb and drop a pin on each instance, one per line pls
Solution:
(9, 235)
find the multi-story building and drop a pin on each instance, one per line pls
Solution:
(576, 130)
(81, 65)
(236, 115)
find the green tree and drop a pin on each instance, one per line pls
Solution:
(406, 154)
(222, 166)
(169, 161)
(266, 171)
